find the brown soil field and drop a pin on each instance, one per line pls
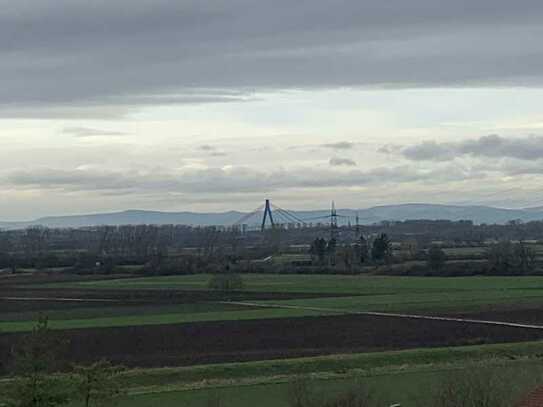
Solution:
(55, 277)
(227, 341)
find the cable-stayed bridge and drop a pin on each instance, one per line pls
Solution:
(269, 216)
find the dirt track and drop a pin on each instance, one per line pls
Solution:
(533, 316)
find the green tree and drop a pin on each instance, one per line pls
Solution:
(318, 248)
(382, 248)
(363, 249)
(436, 258)
(98, 384)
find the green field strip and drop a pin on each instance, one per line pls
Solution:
(340, 284)
(160, 319)
(371, 363)
(421, 302)
(183, 313)
(411, 388)
(118, 311)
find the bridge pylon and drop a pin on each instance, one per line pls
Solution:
(267, 214)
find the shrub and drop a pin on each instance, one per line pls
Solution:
(225, 282)
(480, 387)
(301, 393)
(357, 396)
(436, 258)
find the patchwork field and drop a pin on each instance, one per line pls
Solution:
(409, 377)
(176, 321)
(159, 300)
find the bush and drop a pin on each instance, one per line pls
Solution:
(225, 282)
(357, 396)
(436, 258)
(301, 393)
(481, 387)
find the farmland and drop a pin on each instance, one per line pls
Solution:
(347, 293)
(396, 376)
(246, 344)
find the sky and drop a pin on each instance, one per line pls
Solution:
(211, 105)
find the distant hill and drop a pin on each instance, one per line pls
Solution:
(478, 214)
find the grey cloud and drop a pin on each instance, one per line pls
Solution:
(139, 52)
(429, 150)
(493, 146)
(212, 150)
(218, 180)
(340, 145)
(526, 148)
(337, 161)
(515, 167)
(90, 132)
(387, 149)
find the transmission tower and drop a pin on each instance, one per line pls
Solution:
(333, 223)
(357, 225)
(267, 213)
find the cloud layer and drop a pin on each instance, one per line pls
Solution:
(493, 146)
(75, 52)
(91, 132)
(221, 180)
(338, 161)
(202, 100)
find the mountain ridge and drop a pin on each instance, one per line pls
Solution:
(409, 211)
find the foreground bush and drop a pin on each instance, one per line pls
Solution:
(39, 384)
(301, 393)
(482, 387)
(357, 396)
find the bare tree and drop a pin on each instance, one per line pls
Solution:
(300, 393)
(98, 384)
(358, 395)
(478, 387)
(35, 361)
(215, 399)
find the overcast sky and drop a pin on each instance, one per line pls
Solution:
(216, 105)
